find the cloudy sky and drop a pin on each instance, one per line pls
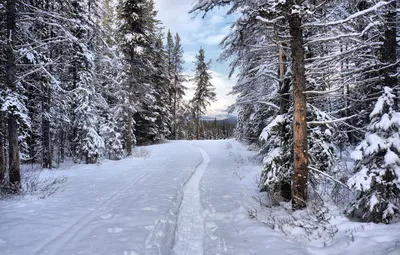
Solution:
(197, 32)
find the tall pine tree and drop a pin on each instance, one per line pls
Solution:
(205, 91)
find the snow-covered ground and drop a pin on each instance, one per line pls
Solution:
(184, 197)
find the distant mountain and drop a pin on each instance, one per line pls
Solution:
(221, 118)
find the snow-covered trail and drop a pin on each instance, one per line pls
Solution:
(117, 207)
(190, 231)
(185, 197)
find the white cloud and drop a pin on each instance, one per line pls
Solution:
(214, 39)
(174, 15)
(216, 19)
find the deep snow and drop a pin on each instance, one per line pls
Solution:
(184, 197)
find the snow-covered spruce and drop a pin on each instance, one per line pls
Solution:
(278, 166)
(277, 139)
(377, 177)
(205, 91)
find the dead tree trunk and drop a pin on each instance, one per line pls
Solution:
(300, 177)
(11, 69)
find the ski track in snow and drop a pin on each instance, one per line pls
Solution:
(186, 198)
(190, 233)
(58, 242)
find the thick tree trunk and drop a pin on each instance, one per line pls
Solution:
(15, 176)
(389, 54)
(300, 177)
(14, 167)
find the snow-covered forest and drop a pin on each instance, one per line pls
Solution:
(90, 79)
(318, 79)
(100, 85)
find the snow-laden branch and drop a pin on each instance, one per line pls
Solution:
(332, 38)
(331, 121)
(206, 5)
(260, 102)
(328, 176)
(316, 92)
(378, 5)
(272, 21)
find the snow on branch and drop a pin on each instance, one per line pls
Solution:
(260, 102)
(328, 176)
(378, 5)
(331, 121)
(206, 5)
(332, 38)
(317, 92)
(272, 21)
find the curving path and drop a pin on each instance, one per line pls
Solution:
(190, 230)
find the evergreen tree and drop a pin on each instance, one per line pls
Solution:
(177, 89)
(109, 76)
(204, 93)
(377, 177)
(135, 33)
(87, 143)
(161, 81)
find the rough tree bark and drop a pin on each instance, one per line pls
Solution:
(300, 177)
(14, 167)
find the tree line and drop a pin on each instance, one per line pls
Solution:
(90, 78)
(317, 78)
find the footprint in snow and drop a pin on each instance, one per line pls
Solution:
(114, 230)
(2, 241)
